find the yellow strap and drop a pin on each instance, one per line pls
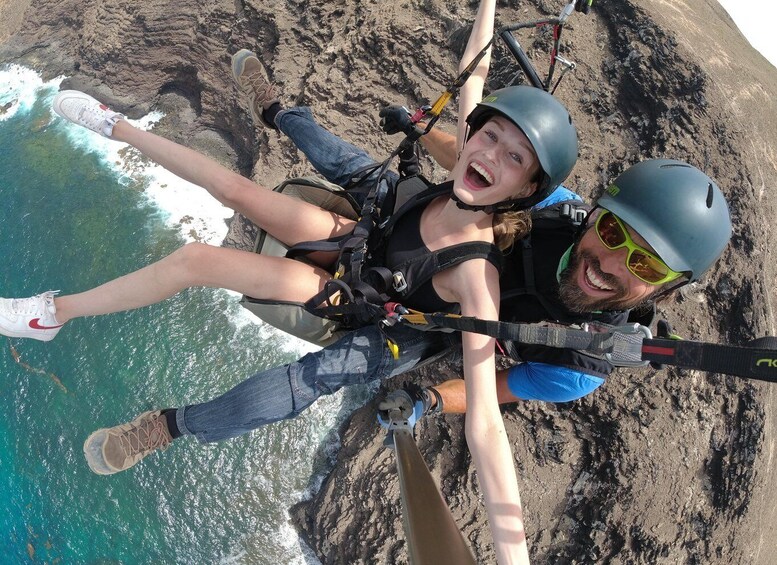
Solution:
(416, 317)
(440, 104)
(393, 347)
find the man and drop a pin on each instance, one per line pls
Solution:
(660, 225)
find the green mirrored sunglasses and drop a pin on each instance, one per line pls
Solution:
(646, 266)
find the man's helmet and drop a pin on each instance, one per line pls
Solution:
(545, 122)
(676, 208)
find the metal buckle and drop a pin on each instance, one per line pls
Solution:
(399, 282)
(627, 345)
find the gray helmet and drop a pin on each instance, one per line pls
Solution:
(676, 208)
(545, 122)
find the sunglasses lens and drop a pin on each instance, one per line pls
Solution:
(610, 231)
(649, 269)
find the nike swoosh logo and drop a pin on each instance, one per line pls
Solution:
(35, 324)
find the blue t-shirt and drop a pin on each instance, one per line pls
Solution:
(542, 381)
(561, 194)
(550, 383)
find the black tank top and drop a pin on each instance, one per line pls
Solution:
(406, 252)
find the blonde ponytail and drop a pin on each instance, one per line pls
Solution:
(510, 226)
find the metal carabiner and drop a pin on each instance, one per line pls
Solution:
(627, 345)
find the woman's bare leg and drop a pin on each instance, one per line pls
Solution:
(197, 264)
(287, 219)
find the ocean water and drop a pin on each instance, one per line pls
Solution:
(74, 215)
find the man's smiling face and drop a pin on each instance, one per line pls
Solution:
(598, 278)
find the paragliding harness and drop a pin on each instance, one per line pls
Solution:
(362, 285)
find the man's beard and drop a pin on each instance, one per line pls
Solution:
(577, 300)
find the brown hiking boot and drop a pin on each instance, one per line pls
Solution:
(251, 78)
(110, 450)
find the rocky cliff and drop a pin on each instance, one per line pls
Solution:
(657, 466)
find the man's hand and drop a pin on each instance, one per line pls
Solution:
(396, 119)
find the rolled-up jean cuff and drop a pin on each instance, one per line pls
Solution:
(180, 421)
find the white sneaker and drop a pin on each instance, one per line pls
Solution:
(84, 110)
(30, 317)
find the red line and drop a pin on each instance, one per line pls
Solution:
(656, 350)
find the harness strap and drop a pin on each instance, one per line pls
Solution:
(531, 334)
(749, 362)
(351, 309)
(308, 247)
(423, 267)
(623, 346)
(415, 200)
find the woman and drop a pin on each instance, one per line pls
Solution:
(498, 164)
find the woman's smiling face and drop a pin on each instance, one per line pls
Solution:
(497, 163)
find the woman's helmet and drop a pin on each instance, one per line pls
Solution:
(548, 126)
(676, 208)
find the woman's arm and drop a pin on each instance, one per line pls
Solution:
(485, 432)
(472, 91)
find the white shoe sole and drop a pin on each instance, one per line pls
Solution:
(93, 452)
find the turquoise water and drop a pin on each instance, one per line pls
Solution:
(68, 223)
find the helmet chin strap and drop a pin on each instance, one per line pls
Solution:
(504, 206)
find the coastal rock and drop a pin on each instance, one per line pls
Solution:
(656, 466)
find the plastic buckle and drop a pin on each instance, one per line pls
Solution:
(399, 284)
(627, 345)
(577, 215)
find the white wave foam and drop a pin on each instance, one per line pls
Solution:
(190, 208)
(20, 88)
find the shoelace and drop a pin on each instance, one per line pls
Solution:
(34, 305)
(262, 89)
(145, 438)
(91, 117)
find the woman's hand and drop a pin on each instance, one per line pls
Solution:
(472, 91)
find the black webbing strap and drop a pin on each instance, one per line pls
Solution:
(623, 346)
(422, 268)
(361, 310)
(748, 362)
(334, 244)
(450, 256)
(564, 337)
(415, 200)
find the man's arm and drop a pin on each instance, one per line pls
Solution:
(441, 146)
(527, 381)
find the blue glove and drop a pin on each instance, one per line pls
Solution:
(413, 403)
(399, 408)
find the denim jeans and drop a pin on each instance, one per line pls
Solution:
(284, 392)
(335, 159)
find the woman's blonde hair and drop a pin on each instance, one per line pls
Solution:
(510, 226)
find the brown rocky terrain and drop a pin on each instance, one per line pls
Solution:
(668, 466)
